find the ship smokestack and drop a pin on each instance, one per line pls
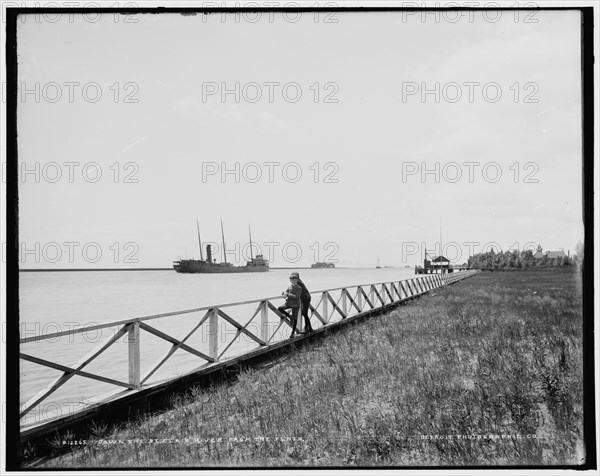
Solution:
(208, 254)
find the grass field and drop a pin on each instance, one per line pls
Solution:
(487, 371)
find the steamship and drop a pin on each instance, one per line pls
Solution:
(256, 264)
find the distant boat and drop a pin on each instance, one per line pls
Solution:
(378, 266)
(256, 264)
(322, 265)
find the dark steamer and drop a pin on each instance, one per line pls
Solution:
(255, 265)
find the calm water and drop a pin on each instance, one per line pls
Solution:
(58, 301)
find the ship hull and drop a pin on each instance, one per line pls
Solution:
(191, 267)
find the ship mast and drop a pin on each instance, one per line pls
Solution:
(223, 237)
(441, 248)
(199, 241)
(250, 235)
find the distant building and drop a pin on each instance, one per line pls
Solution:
(320, 265)
(538, 254)
(440, 262)
(554, 257)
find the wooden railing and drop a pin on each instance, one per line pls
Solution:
(331, 306)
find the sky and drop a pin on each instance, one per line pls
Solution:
(354, 138)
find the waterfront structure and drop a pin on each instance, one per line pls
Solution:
(321, 264)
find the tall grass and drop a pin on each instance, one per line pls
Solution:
(450, 379)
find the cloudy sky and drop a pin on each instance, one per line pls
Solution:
(348, 137)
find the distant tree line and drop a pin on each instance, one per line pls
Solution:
(514, 260)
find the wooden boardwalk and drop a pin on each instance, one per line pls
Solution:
(333, 308)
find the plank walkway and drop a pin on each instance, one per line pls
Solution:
(333, 308)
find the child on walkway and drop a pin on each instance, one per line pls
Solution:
(292, 301)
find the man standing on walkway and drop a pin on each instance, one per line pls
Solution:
(305, 298)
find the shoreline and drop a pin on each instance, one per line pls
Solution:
(41, 270)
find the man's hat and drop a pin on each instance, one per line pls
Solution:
(294, 275)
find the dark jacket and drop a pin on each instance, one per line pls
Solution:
(305, 296)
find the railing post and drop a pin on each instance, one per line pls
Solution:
(344, 302)
(326, 306)
(359, 298)
(213, 334)
(372, 294)
(134, 354)
(264, 321)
